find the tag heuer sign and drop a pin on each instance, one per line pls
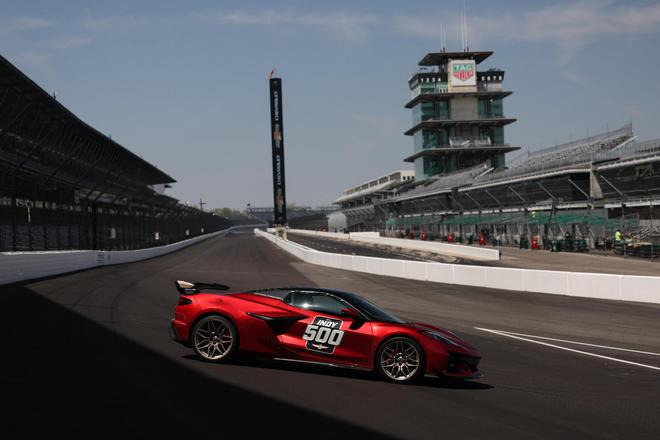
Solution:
(463, 71)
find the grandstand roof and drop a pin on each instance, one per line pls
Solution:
(632, 152)
(565, 157)
(377, 185)
(440, 58)
(49, 115)
(443, 183)
(573, 157)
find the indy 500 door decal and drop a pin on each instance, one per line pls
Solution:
(323, 334)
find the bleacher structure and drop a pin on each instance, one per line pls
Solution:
(587, 188)
(64, 185)
(357, 201)
(463, 186)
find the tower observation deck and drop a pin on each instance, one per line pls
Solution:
(458, 116)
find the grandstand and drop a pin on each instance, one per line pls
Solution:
(584, 189)
(587, 188)
(375, 188)
(357, 201)
(64, 185)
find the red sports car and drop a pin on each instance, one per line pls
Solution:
(320, 326)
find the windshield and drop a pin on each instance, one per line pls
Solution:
(372, 311)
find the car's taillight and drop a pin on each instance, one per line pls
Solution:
(184, 301)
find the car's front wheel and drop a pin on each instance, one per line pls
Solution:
(214, 338)
(400, 360)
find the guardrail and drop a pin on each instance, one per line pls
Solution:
(578, 284)
(20, 266)
(454, 250)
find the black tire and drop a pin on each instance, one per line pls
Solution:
(214, 338)
(401, 353)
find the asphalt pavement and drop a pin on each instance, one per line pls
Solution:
(88, 354)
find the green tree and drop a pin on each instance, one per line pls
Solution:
(229, 213)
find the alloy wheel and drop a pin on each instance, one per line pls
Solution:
(400, 359)
(214, 338)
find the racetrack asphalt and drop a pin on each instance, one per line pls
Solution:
(88, 354)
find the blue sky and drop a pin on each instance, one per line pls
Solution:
(184, 84)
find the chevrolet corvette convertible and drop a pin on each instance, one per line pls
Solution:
(319, 326)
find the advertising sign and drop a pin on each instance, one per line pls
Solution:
(462, 73)
(277, 144)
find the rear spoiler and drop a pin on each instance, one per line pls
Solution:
(187, 288)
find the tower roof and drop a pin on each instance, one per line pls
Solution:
(441, 58)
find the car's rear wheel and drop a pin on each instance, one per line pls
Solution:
(214, 338)
(400, 360)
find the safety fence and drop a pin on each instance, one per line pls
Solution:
(39, 225)
(518, 228)
(577, 284)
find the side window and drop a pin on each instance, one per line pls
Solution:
(318, 302)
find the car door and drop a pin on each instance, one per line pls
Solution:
(327, 335)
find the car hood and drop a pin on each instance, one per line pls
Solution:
(426, 327)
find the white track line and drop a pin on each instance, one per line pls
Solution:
(501, 333)
(577, 343)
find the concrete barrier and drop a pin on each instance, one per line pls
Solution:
(504, 278)
(607, 286)
(20, 266)
(578, 284)
(440, 273)
(415, 271)
(363, 235)
(453, 250)
(337, 235)
(642, 289)
(545, 281)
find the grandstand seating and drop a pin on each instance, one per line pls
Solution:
(445, 182)
(582, 183)
(579, 153)
(634, 180)
(631, 150)
(651, 233)
(64, 185)
(576, 154)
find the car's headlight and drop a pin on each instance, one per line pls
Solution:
(440, 337)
